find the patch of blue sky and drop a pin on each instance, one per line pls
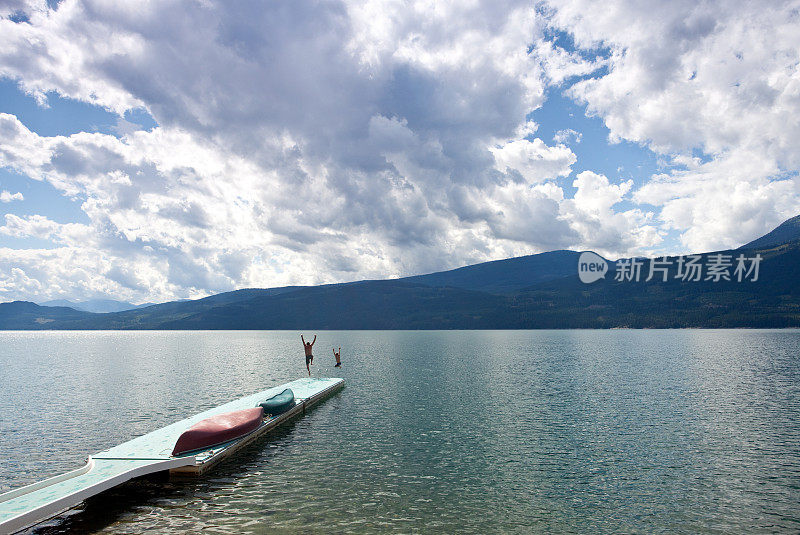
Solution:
(39, 198)
(12, 242)
(142, 118)
(22, 17)
(564, 40)
(19, 17)
(61, 117)
(619, 161)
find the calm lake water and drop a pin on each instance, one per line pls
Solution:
(694, 431)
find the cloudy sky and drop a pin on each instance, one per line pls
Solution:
(176, 148)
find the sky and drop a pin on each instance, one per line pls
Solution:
(178, 148)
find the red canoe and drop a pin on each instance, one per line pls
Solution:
(218, 430)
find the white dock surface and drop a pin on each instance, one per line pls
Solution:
(23, 507)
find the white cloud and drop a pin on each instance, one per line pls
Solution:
(534, 160)
(722, 203)
(40, 227)
(604, 229)
(195, 219)
(9, 8)
(174, 217)
(298, 143)
(7, 196)
(567, 135)
(306, 143)
(721, 77)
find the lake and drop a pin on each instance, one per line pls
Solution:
(694, 431)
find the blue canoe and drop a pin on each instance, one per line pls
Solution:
(279, 403)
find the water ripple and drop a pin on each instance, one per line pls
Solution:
(470, 432)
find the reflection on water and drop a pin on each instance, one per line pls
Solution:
(469, 431)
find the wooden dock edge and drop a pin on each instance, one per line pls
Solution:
(300, 408)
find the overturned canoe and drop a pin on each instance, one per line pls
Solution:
(279, 403)
(218, 430)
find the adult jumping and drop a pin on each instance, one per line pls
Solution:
(309, 355)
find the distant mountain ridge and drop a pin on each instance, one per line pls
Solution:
(536, 291)
(504, 276)
(94, 305)
(786, 232)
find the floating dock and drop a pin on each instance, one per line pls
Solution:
(147, 454)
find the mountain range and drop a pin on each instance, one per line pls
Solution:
(529, 292)
(94, 305)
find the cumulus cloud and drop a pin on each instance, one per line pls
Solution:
(20, 8)
(301, 143)
(172, 217)
(718, 78)
(567, 135)
(533, 160)
(592, 210)
(7, 196)
(724, 202)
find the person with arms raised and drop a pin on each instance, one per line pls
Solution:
(309, 355)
